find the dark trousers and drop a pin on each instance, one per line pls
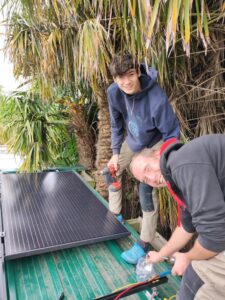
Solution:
(190, 284)
(145, 197)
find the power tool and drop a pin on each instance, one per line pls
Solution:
(111, 180)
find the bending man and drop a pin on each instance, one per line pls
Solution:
(195, 176)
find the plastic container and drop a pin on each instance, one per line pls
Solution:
(144, 270)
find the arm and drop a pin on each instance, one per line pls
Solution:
(117, 127)
(165, 119)
(182, 260)
(204, 198)
(114, 161)
(178, 240)
(205, 202)
(199, 253)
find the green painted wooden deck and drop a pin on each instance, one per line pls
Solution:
(85, 272)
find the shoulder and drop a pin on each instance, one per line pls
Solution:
(158, 91)
(112, 89)
(113, 93)
(158, 97)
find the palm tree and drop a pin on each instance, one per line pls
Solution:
(36, 130)
(82, 114)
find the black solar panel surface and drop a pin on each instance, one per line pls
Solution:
(50, 211)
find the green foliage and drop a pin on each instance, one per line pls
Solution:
(68, 41)
(167, 209)
(82, 95)
(63, 43)
(36, 130)
(67, 153)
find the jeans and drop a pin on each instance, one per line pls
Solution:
(145, 197)
(190, 284)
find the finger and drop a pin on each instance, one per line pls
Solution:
(148, 259)
(109, 163)
(173, 272)
(115, 166)
(147, 256)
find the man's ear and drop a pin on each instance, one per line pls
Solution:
(114, 79)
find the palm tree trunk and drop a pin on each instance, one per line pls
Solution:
(104, 139)
(84, 137)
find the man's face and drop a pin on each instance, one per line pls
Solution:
(129, 82)
(146, 169)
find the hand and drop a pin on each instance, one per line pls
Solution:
(181, 263)
(114, 160)
(153, 257)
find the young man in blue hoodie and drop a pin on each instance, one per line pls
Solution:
(141, 117)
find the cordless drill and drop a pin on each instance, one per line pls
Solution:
(111, 180)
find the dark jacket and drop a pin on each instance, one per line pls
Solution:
(146, 116)
(197, 175)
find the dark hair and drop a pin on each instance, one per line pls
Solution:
(121, 63)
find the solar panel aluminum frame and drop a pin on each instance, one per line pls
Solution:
(107, 216)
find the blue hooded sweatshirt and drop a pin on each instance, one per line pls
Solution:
(146, 117)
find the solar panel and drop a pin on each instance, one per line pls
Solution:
(48, 211)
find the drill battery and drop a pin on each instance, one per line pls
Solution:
(111, 180)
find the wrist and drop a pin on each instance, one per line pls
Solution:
(116, 151)
(163, 254)
(167, 251)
